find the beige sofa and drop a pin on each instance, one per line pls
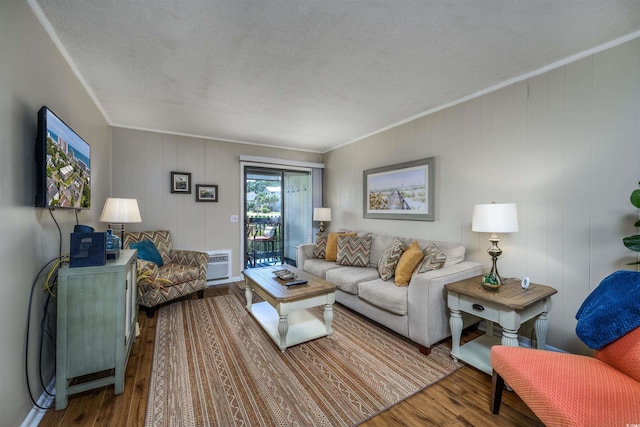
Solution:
(418, 311)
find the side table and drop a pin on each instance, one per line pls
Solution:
(510, 306)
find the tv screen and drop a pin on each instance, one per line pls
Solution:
(63, 161)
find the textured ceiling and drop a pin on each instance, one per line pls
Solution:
(312, 75)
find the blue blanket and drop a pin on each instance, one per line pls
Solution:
(611, 310)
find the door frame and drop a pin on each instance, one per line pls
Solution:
(267, 163)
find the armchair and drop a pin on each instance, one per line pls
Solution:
(573, 390)
(181, 273)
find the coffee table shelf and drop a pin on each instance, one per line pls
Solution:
(283, 313)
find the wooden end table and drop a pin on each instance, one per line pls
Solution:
(510, 306)
(283, 313)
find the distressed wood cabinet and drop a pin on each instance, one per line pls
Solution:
(97, 314)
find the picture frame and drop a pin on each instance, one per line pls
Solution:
(206, 193)
(181, 182)
(403, 191)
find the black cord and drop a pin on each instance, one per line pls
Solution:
(44, 323)
(26, 349)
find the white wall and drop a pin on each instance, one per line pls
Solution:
(564, 146)
(33, 73)
(142, 164)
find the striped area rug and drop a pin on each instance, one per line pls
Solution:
(214, 366)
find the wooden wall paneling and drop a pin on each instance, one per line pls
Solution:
(473, 170)
(451, 161)
(578, 170)
(156, 183)
(556, 193)
(518, 247)
(538, 177)
(615, 117)
(170, 201)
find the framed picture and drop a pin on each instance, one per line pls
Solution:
(206, 193)
(402, 191)
(181, 182)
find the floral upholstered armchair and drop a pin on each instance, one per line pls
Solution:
(165, 274)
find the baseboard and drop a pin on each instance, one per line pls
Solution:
(223, 281)
(45, 401)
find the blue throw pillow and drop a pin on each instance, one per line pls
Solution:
(147, 251)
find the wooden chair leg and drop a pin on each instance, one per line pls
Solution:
(497, 387)
(200, 293)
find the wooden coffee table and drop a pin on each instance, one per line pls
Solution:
(283, 313)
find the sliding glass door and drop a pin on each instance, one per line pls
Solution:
(277, 214)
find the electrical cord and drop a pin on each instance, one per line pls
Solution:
(44, 329)
(26, 350)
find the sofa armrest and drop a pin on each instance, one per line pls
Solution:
(427, 301)
(190, 258)
(303, 252)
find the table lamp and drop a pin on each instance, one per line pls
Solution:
(495, 218)
(118, 212)
(322, 215)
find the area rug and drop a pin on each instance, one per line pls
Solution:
(214, 366)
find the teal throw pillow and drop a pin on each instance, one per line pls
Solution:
(147, 251)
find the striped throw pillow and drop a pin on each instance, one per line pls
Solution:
(433, 259)
(388, 262)
(354, 251)
(320, 248)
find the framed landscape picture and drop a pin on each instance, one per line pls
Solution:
(402, 191)
(181, 182)
(206, 193)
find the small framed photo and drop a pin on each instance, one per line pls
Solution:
(206, 193)
(181, 182)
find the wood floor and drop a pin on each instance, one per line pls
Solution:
(461, 399)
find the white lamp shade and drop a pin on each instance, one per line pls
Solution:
(120, 211)
(495, 218)
(322, 214)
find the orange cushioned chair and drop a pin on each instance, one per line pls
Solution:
(572, 390)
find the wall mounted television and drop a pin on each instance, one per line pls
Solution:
(63, 163)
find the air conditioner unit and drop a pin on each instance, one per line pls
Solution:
(219, 264)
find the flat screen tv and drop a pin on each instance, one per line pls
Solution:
(63, 163)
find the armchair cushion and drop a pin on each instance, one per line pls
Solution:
(178, 273)
(147, 251)
(567, 389)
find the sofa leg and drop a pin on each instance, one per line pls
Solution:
(201, 294)
(497, 387)
(424, 350)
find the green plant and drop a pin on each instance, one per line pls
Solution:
(633, 242)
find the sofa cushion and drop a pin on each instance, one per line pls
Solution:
(332, 245)
(353, 250)
(409, 260)
(347, 278)
(320, 248)
(147, 251)
(433, 259)
(318, 267)
(384, 295)
(387, 264)
(379, 245)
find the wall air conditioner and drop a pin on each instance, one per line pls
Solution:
(219, 264)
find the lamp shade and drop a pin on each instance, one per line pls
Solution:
(495, 218)
(322, 214)
(120, 211)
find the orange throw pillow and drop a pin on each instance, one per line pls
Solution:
(409, 260)
(331, 253)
